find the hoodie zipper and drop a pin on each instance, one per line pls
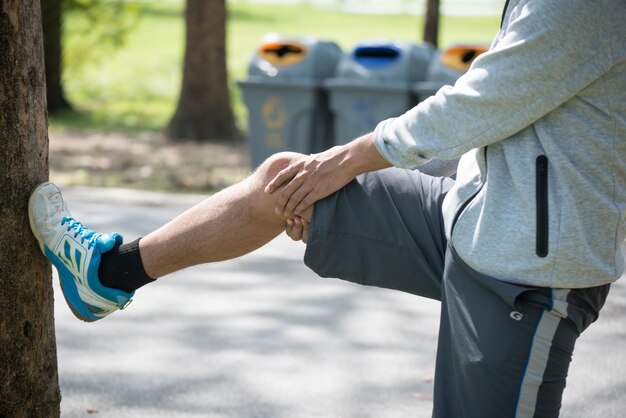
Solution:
(541, 186)
(506, 6)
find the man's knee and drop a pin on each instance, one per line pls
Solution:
(264, 203)
(275, 164)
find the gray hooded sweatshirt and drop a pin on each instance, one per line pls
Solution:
(540, 122)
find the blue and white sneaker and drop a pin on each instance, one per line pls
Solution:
(75, 251)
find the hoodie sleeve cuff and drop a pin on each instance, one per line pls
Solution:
(393, 149)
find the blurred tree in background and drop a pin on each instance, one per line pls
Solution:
(204, 110)
(51, 12)
(431, 24)
(103, 26)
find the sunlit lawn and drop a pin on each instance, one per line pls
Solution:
(135, 86)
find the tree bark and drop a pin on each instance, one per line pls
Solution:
(28, 363)
(204, 110)
(431, 26)
(53, 57)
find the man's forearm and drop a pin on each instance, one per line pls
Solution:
(362, 156)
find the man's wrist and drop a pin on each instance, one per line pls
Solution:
(362, 156)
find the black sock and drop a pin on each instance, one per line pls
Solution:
(121, 268)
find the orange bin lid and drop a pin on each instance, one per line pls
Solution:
(460, 57)
(282, 53)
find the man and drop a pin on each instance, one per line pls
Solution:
(521, 249)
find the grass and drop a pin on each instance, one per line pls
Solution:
(135, 87)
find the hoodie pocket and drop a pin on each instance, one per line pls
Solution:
(541, 187)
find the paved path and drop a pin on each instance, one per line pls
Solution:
(262, 336)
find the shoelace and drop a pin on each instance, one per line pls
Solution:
(85, 233)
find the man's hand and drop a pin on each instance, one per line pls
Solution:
(314, 177)
(310, 179)
(298, 229)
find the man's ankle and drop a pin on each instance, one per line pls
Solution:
(122, 268)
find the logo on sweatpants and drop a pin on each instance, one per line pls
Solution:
(516, 315)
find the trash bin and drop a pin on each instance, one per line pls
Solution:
(287, 106)
(374, 83)
(446, 67)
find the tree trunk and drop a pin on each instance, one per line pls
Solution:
(52, 33)
(204, 111)
(28, 364)
(431, 26)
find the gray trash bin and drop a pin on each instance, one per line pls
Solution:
(287, 106)
(374, 82)
(446, 67)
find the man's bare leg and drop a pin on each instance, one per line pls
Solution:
(99, 273)
(229, 224)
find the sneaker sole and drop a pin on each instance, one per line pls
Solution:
(74, 311)
(31, 202)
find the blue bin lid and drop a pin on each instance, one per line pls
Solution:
(376, 56)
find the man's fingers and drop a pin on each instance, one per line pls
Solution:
(281, 178)
(289, 227)
(306, 202)
(286, 192)
(294, 229)
(296, 197)
(305, 231)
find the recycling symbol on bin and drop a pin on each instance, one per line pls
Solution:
(274, 113)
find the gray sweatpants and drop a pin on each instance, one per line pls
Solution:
(504, 349)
